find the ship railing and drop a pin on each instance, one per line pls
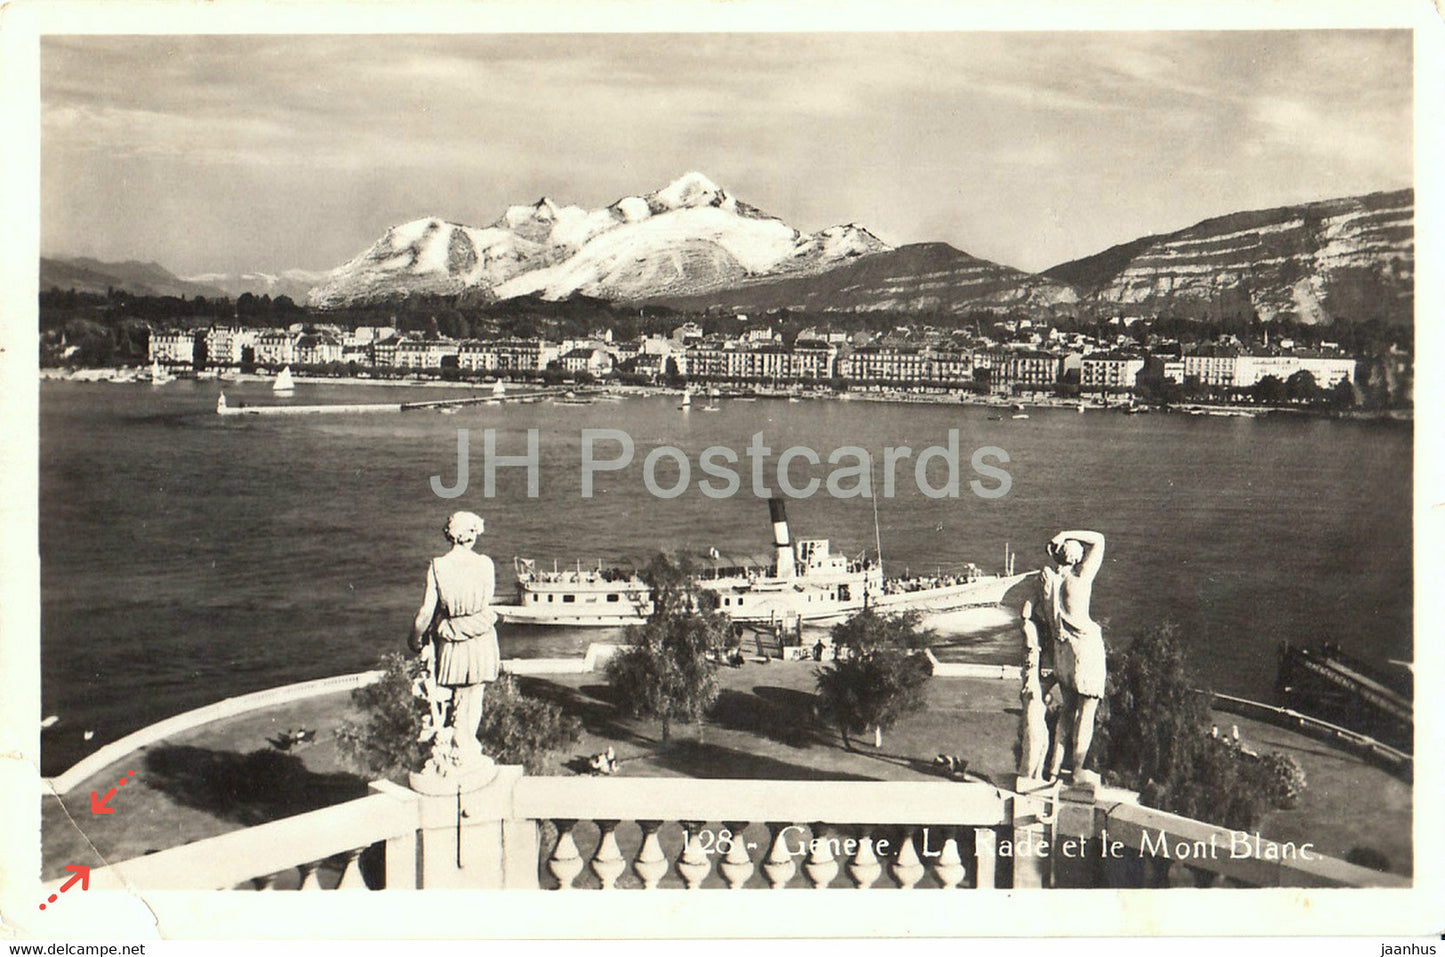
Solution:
(649, 833)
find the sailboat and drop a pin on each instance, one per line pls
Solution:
(686, 401)
(284, 382)
(159, 376)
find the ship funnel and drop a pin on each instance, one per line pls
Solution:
(782, 542)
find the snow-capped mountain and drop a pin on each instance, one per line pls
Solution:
(295, 283)
(688, 237)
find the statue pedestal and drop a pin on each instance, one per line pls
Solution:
(469, 835)
(470, 775)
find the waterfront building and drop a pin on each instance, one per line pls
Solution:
(1328, 369)
(1212, 365)
(881, 363)
(225, 345)
(814, 359)
(597, 362)
(949, 364)
(318, 349)
(276, 347)
(172, 346)
(383, 351)
(1110, 370)
(1230, 367)
(423, 353)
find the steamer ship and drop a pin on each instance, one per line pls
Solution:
(805, 582)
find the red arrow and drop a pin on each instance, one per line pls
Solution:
(98, 803)
(82, 874)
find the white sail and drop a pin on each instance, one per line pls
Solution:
(284, 382)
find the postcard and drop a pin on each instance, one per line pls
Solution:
(487, 453)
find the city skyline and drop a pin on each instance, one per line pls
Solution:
(240, 153)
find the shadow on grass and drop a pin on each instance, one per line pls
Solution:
(778, 714)
(253, 788)
(699, 759)
(596, 706)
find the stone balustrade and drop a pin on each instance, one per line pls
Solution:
(681, 833)
(362, 844)
(660, 833)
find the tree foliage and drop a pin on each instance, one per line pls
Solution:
(1154, 738)
(667, 670)
(384, 740)
(877, 677)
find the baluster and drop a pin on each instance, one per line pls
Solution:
(1156, 871)
(865, 868)
(694, 863)
(821, 866)
(985, 858)
(1201, 876)
(906, 869)
(778, 866)
(565, 863)
(651, 864)
(351, 879)
(310, 877)
(607, 861)
(736, 865)
(948, 865)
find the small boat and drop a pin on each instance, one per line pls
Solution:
(158, 375)
(448, 410)
(284, 382)
(1020, 415)
(710, 408)
(221, 404)
(686, 401)
(207, 374)
(499, 388)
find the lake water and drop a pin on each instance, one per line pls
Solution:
(186, 557)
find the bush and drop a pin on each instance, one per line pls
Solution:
(1154, 737)
(384, 741)
(1283, 778)
(518, 729)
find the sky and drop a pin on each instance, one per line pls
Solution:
(267, 153)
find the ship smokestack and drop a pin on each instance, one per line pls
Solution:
(782, 542)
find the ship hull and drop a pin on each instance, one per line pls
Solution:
(784, 607)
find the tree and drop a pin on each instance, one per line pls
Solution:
(667, 670)
(385, 740)
(1154, 737)
(1269, 390)
(877, 677)
(1302, 387)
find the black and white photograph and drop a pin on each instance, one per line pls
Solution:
(489, 452)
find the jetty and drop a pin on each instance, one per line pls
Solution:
(225, 408)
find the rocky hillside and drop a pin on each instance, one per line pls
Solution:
(924, 277)
(690, 236)
(1350, 257)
